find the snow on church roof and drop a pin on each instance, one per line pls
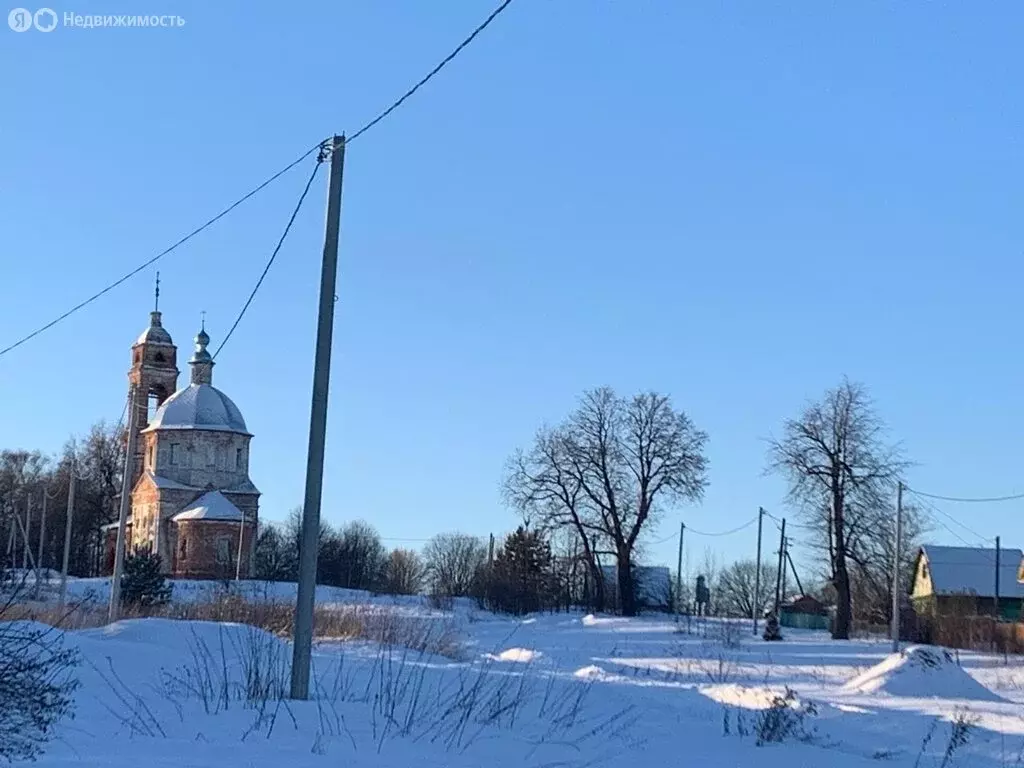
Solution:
(199, 406)
(210, 506)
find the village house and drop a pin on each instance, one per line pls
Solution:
(192, 501)
(961, 581)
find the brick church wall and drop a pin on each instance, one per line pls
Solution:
(208, 549)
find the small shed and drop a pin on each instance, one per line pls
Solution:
(961, 581)
(804, 612)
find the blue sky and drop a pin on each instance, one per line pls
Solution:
(736, 206)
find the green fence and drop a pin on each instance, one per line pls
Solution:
(803, 620)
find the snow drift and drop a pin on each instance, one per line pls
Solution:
(920, 672)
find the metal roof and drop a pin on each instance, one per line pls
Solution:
(972, 571)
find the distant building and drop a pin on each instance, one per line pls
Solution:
(192, 501)
(804, 612)
(961, 581)
(653, 585)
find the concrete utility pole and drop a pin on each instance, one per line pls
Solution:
(67, 533)
(114, 609)
(303, 645)
(679, 569)
(894, 625)
(757, 571)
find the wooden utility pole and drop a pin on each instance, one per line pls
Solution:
(894, 622)
(785, 565)
(998, 554)
(241, 539)
(679, 569)
(757, 571)
(42, 536)
(778, 573)
(114, 609)
(303, 645)
(42, 531)
(67, 533)
(25, 530)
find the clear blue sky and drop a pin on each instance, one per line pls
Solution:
(735, 206)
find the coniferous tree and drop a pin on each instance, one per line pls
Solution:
(142, 583)
(521, 579)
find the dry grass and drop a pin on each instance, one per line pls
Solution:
(346, 622)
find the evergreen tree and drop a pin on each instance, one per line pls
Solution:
(142, 583)
(521, 579)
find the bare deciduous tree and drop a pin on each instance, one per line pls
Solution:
(404, 572)
(453, 560)
(603, 473)
(842, 474)
(736, 588)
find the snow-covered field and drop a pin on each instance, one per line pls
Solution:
(550, 690)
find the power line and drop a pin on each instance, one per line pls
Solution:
(154, 259)
(240, 201)
(981, 500)
(273, 255)
(747, 524)
(434, 71)
(950, 517)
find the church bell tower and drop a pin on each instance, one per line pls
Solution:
(153, 376)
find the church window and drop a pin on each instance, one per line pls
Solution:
(159, 357)
(174, 453)
(210, 460)
(183, 548)
(223, 550)
(238, 458)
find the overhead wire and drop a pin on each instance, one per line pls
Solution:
(273, 255)
(951, 518)
(724, 533)
(149, 262)
(494, 14)
(968, 500)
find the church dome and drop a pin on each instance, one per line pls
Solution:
(156, 333)
(199, 406)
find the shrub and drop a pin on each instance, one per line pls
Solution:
(783, 719)
(36, 686)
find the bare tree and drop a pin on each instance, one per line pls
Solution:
(736, 588)
(605, 471)
(842, 474)
(453, 560)
(403, 573)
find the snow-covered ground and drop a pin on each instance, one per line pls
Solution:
(563, 689)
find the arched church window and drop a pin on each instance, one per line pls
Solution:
(183, 548)
(158, 357)
(223, 550)
(238, 458)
